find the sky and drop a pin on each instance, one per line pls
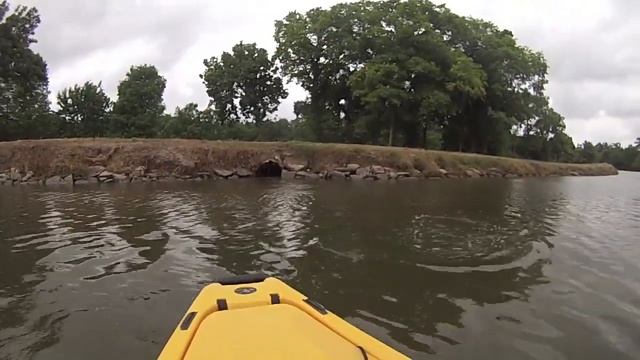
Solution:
(590, 46)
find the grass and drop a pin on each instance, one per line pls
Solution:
(177, 156)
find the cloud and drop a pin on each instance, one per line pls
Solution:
(590, 48)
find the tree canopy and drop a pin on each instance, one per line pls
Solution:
(392, 72)
(24, 107)
(84, 110)
(243, 84)
(139, 107)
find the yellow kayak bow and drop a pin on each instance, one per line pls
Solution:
(258, 317)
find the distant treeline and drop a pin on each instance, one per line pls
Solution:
(403, 73)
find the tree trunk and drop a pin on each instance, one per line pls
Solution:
(391, 132)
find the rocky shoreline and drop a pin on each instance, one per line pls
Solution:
(87, 161)
(269, 168)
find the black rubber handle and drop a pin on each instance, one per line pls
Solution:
(243, 279)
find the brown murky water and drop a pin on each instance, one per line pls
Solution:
(469, 269)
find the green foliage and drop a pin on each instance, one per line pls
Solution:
(406, 73)
(243, 84)
(24, 107)
(622, 158)
(373, 67)
(84, 110)
(139, 107)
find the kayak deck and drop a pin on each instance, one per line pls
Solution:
(254, 317)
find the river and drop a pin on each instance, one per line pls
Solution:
(540, 268)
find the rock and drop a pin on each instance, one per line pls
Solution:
(120, 178)
(413, 173)
(27, 176)
(404, 174)
(353, 168)
(294, 167)
(377, 169)
(409, 178)
(105, 174)
(494, 172)
(573, 173)
(140, 171)
(14, 175)
(286, 174)
(471, 173)
(233, 177)
(243, 173)
(203, 174)
(108, 180)
(306, 175)
(54, 180)
(510, 176)
(393, 175)
(81, 182)
(339, 174)
(223, 173)
(94, 171)
(362, 171)
(371, 176)
(443, 172)
(68, 179)
(343, 169)
(356, 177)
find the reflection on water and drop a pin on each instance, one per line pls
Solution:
(526, 268)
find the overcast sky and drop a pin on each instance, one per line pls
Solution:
(591, 47)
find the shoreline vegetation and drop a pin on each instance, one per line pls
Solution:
(400, 73)
(83, 161)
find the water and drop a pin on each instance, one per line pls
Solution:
(456, 269)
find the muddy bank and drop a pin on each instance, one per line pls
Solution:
(77, 161)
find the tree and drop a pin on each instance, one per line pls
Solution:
(189, 123)
(24, 107)
(84, 110)
(243, 84)
(139, 107)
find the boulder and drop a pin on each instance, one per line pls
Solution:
(371, 176)
(120, 178)
(377, 169)
(140, 171)
(294, 167)
(54, 180)
(404, 174)
(243, 172)
(15, 174)
(306, 175)
(353, 167)
(362, 171)
(104, 176)
(68, 179)
(286, 174)
(203, 174)
(413, 173)
(27, 176)
(574, 173)
(223, 173)
(338, 174)
(494, 172)
(94, 171)
(443, 172)
(472, 173)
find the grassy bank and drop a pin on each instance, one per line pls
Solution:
(173, 157)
